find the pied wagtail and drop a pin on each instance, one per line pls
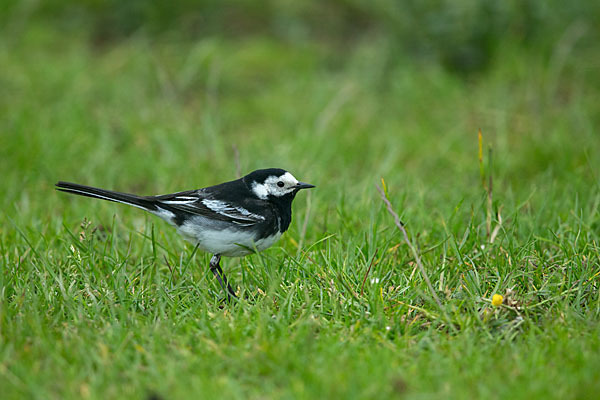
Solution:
(230, 219)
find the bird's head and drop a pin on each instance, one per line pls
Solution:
(274, 183)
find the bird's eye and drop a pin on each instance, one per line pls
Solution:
(280, 184)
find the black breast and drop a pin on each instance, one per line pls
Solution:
(283, 210)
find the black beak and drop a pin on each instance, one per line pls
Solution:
(302, 185)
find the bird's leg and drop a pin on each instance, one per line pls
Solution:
(215, 267)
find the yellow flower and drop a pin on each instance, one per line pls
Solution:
(497, 300)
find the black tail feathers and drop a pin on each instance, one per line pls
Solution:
(145, 203)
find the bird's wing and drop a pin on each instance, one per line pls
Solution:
(199, 203)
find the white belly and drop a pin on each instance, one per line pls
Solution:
(227, 242)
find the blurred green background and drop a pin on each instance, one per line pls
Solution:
(291, 83)
(154, 97)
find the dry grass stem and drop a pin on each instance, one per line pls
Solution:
(413, 250)
(368, 270)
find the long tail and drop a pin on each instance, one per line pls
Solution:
(145, 203)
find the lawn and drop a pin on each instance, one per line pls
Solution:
(99, 300)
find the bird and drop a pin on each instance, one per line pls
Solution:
(231, 219)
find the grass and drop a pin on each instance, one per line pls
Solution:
(98, 300)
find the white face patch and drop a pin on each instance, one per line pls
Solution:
(276, 186)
